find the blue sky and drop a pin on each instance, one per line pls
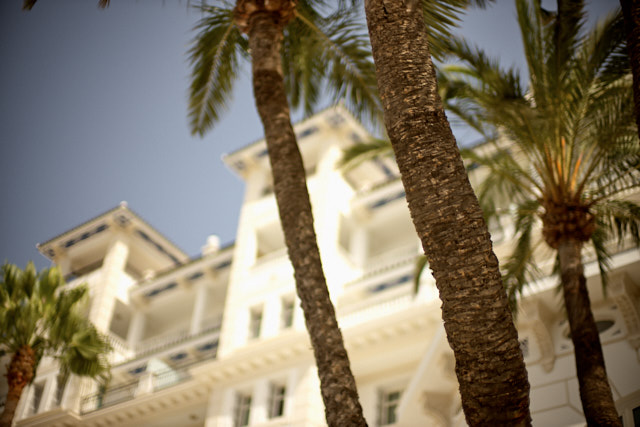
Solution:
(93, 111)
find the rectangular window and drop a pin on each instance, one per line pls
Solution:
(61, 383)
(34, 405)
(388, 403)
(276, 400)
(255, 322)
(286, 317)
(241, 410)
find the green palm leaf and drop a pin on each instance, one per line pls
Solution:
(214, 58)
(334, 50)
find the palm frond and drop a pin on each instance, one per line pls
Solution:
(599, 240)
(621, 217)
(214, 59)
(531, 23)
(505, 172)
(42, 312)
(519, 268)
(302, 65)
(338, 52)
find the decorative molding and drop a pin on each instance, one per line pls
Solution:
(533, 317)
(626, 295)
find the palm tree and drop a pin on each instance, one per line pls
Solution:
(572, 158)
(292, 48)
(447, 216)
(40, 317)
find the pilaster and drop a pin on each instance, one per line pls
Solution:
(105, 292)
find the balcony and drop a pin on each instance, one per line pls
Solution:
(177, 353)
(155, 364)
(146, 384)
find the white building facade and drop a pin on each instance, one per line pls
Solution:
(220, 341)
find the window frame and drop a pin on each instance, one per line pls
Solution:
(388, 403)
(242, 409)
(277, 400)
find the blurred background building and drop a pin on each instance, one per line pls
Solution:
(219, 340)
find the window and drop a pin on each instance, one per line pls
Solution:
(388, 406)
(60, 385)
(241, 410)
(629, 410)
(255, 322)
(36, 398)
(286, 316)
(276, 400)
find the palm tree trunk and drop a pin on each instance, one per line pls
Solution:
(19, 375)
(337, 384)
(631, 14)
(445, 211)
(595, 391)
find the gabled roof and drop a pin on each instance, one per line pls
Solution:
(120, 216)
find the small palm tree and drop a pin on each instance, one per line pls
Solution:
(570, 163)
(40, 317)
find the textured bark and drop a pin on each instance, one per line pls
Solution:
(19, 375)
(337, 384)
(595, 391)
(445, 211)
(631, 14)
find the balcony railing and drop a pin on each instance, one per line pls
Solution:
(160, 342)
(109, 397)
(146, 384)
(175, 337)
(120, 347)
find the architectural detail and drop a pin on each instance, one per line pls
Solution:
(627, 297)
(535, 318)
(220, 341)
